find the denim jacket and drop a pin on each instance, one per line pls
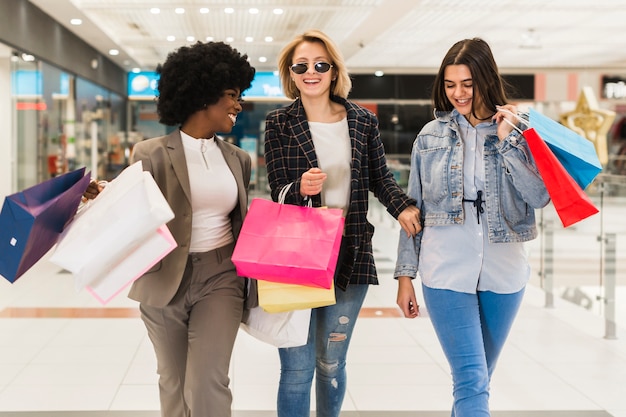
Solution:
(513, 186)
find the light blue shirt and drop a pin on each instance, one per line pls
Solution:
(452, 161)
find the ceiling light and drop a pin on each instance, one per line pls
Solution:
(136, 70)
(278, 11)
(171, 38)
(262, 59)
(155, 10)
(209, 38)
(268, 39)
(229, 10)
(530, 40)
(249, 39)
(379, 73)
(76, 22)
(28, 57)
(230, 39)
(204, 10)
(253, 10)
(179, 10)
(114, 52)
(190, 38)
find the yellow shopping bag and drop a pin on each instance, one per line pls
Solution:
(276, 297)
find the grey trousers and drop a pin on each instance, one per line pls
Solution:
(193, 337)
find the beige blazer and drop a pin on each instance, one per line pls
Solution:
(164, 158)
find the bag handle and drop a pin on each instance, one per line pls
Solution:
(519, 119)
(283, 194)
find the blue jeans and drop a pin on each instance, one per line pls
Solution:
(472, 329)
(325, 353)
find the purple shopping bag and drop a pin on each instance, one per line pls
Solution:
(289, 244)
(32, 220)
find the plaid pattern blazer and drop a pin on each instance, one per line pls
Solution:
(289, 152)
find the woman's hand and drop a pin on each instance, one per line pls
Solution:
(93, 189)
(406, 298)
(311, 182)
(409, 220)
(504, 112)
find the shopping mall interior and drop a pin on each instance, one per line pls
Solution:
(79, 83)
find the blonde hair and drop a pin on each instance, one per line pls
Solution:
(342, 84)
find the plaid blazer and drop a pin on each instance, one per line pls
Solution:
(289, 152)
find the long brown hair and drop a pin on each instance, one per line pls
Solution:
(487, 83)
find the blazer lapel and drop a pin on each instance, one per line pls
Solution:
(177, 157)
(298, 128)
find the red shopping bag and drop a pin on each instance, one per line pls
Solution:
(290, 244)
(570, 201)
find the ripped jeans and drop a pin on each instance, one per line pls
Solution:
(325, 353)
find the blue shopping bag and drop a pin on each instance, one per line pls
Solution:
(576, 153)
(32, 220)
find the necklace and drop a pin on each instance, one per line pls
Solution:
(203, 149)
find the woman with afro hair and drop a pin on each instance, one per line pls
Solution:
(192, 301)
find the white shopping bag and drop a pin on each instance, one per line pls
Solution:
(286, 329)
(129, 210)
(134, 265)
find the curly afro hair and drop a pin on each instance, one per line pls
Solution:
(196, 76)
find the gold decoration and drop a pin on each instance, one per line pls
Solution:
(590, 122)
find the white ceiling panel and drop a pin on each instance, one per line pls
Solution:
(392, 35)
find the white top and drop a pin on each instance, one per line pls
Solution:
(333, 150)
(213, 194)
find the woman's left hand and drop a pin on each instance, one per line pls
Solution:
(504, 112)
(409, 220)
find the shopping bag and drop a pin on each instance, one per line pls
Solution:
(288, 329)
(277, 297)
(115, 223)
(32, 220)
(154, 248)
(288, 243)
(576, 153)
(570, 201)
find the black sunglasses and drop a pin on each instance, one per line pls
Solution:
(302, 67)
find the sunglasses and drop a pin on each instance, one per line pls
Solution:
(319, 67)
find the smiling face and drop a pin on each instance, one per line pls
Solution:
(459, 90)
(312, 83)
(222, 115)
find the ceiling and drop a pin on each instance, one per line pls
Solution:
(409, 36)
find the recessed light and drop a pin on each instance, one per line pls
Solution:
(278, 11)
(114, 52)
(204, 10)
(229, 10)
(253, 10)
(171, 38)
(76, 22)
(190, 38)
(179, 10)
(262, 59)
(230, 39)
(379, 73)
(249, 39)
(209, 39)
(155, 10)
(269, 39)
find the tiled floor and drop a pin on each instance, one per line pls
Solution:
(62, 354)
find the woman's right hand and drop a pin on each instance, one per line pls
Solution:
(311, 182)
(93, 189)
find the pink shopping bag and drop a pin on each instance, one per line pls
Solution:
(289, 244)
